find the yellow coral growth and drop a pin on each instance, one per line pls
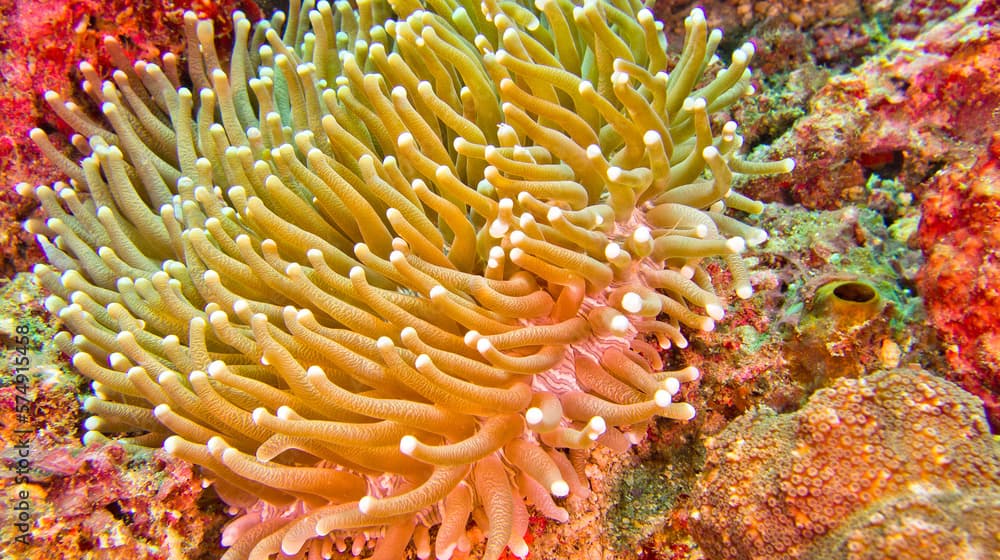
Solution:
(381, 267)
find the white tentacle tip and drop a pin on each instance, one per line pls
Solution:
(365, 504)
(596, 427)
(672, 385)
(408, 445)
(715, 311)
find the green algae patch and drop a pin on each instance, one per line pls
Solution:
(647, 495)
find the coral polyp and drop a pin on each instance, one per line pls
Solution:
(379, 271)
(896, 464)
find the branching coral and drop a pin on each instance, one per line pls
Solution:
(387, 267)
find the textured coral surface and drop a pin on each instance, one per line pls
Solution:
(898, 464)
(903, 113)
(912, 125)
(960, 233)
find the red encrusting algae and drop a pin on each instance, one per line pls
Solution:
(960, 281)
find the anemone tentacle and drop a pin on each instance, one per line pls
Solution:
(387, 264)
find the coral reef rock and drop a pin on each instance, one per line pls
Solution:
(960, 277)
(899, 464)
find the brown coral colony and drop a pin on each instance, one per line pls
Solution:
(897, 464)
(389, 266)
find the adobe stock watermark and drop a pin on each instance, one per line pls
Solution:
(19, 497)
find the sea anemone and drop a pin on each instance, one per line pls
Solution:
(400, 263)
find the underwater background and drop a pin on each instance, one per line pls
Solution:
(846, 410)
